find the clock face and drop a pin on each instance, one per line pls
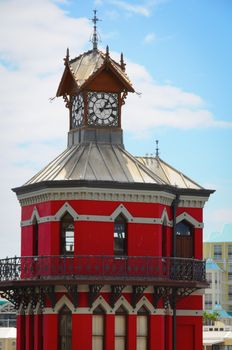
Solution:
(103, 109)
(77, 111)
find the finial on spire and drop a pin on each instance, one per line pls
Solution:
(95, 36)
(123, 64)
(157, 148)
(66, 59)
(107, 51)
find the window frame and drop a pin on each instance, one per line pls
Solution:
(66, 314)
(120, 236)
(67, 226)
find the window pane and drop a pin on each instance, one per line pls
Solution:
(120, 235)
(69, 241)
(217, 251)
(67, 234)
(97, 342)
(98, 325)
(183, 229)
(142, 325)
(120, 325)
(120, 343)
(141, 343)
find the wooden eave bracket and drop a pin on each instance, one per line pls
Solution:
(62, 88)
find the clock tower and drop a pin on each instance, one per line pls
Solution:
(111, 244)
(94, 87)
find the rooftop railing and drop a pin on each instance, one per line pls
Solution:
(85, 267)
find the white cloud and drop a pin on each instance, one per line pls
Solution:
(164, 105)
(149, 38)
(132, 8)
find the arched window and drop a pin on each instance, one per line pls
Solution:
(67, 235)
(35, 238)
(98, 331)
(120, 236)
(184, 240)
(142, 329)
(65, 329)
(120, 329)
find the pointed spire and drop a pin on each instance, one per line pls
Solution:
(107, 52)
(123, 64)
(66, 59)
(157, 148)
(95, 36)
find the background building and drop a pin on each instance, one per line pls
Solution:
(7, 314)
(7, 338)
(213, 294)
(221, 253)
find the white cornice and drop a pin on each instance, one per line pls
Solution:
(84, 193)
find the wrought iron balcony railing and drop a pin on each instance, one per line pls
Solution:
(101, 268)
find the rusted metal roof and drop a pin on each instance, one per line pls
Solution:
(96, 161)
(167, 173)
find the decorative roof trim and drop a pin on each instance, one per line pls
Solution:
(99, 194)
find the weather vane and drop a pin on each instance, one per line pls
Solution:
(95, 36)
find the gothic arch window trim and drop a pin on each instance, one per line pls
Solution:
(67, 234)
(35, 216)
(65, 328)
(189, 219)
(120, 236)
(144, 302)
(101, 302)
(63, 301)
(165, 219)
(122, 302)
(121, 210)
(66, 208)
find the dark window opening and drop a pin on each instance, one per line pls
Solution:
(35, 238)
(67, 235)
(65, 329)
(120, 236)
(183, 229)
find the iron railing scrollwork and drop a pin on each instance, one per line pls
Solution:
(116, 267)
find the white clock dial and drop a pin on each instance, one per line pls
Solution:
(77, 111)
(103, 109)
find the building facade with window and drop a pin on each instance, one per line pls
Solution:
(214, 293)
(111, 244)
(221, 253)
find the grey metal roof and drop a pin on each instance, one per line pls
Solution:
(167, 173)
(87, 64)
(96, 161)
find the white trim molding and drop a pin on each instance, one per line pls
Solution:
(164, 219)
(185, 216)
(99, 194)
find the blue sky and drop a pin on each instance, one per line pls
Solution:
(178, 56)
